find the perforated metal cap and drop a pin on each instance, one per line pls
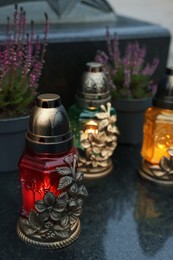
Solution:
(164, 95)
(93, 90)
(49, 130)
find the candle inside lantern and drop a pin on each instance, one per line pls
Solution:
(91, 127)
(93, 123)
(51, 194)
(158, 134)
(157, 147)
(38, 175)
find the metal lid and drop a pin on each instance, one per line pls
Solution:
(164, 95)
(94, 66)
(93, 90)
(49, 130)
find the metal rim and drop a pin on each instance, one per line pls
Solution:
(50, 245)
(98, 174)
(147, 176)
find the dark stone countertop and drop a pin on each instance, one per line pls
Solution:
(123, 218)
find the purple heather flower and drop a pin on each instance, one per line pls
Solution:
(149, 69)
(127, 73)
(123, 69)
(146, 70)
(21, 51)
(154, 66)
(101, 57)
(140, 55)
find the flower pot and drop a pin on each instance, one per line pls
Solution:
(130, 119)
(12, 140)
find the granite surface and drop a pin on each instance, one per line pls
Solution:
(124, 217)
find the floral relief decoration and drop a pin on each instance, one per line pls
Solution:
(54, 216)
(98, 147)
(165, 168)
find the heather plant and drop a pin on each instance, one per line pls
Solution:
(128, 76)
(21, 63)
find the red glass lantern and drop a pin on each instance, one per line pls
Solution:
(51, 194)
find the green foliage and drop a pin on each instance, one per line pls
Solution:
(143, 81)
(15, 94)
(138, 88)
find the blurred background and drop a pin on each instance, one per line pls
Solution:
(155, 11)
(77, 31)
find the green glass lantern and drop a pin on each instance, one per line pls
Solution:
(93, 123)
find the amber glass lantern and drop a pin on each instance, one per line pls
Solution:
(51, 194)
(157, 148)
(93, 123)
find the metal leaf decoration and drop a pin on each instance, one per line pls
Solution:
(72, 219)
(65, 221)
(72, 203)
(49, 198)
(158, 173)
(79, 176)
(39, 205)
(63, 196)
(102, 115)
(80, 201)
(78, 212)
(63, 171)
(54, 216)
(63, 234)
(163, 170)
(58, 227)
(34, 220)
(73, 190)
(165, 164)
(98, 147)
(83, 191)
(65, 182)
(103, 123)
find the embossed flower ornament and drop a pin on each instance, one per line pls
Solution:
(75, 192)
(99, 147)
(54, 216)
(50, 207)
(167, 163)
(165, 167)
